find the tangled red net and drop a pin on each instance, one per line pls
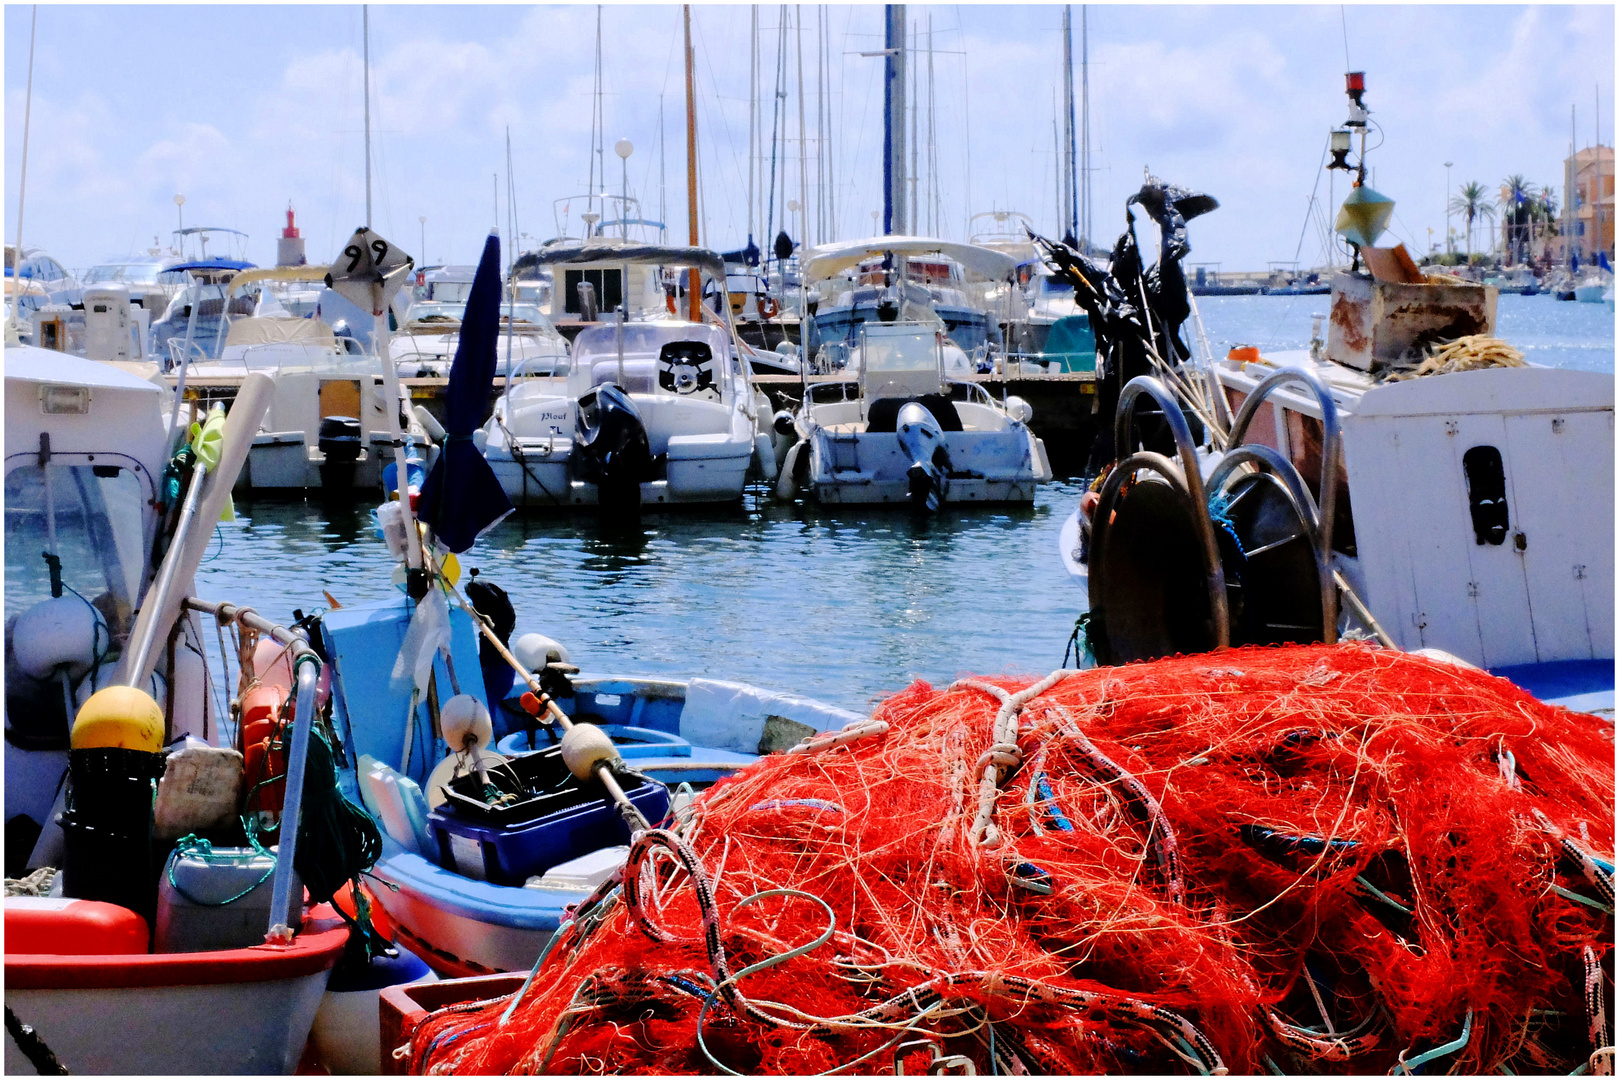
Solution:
(1320, 859)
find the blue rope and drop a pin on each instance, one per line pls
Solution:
(1047, 796)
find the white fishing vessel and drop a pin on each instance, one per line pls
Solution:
(1408, 478)
(105, 968)
(655, 410)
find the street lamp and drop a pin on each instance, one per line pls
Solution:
(1448, 250)
(624, 148)
(179, 201)
(423, 220)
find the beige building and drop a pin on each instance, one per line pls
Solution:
(1588, 215)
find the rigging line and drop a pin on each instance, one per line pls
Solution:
(1313, 189)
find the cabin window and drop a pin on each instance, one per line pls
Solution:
(91, 516)
(608, 284)
(1486, 494)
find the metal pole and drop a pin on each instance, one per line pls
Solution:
(282, 900)
(803, 156)
(1085, 122)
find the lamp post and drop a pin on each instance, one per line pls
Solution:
(179, 213)
(624, 148)
(1448, 249)
(423, 221)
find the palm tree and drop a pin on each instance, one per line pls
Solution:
(1472, 204)
(1518, 198)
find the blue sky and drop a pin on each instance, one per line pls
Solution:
(243, 108)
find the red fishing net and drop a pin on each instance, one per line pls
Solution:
(1305, 860)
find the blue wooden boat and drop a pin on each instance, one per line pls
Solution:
(470, 894)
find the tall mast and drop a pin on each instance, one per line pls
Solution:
(694, 297)
(803, 158)
(916, 104)
(753, 112)
(1071, 190)
(663, 177)
(831, 161)
(365, 33)
(22, 183)
(933, 146)
(820, 127)
(597, 134)
(894, 216)
(1085, 124)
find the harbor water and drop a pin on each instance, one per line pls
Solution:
(844, 605)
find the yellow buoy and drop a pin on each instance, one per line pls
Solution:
(119, 716)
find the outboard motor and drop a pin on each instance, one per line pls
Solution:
(339, 440)
(587, 302)
(923, 442)
(611, 447)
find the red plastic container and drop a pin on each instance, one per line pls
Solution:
(67, 927)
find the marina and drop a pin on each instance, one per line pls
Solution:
(734, 636)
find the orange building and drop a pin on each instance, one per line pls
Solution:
(1589, 213)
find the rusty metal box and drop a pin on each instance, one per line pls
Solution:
(1378, 323)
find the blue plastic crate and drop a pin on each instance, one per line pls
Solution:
(508, 854)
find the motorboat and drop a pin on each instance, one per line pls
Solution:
(150, 279)
(327, 428)
(427, 339)
(1592, 286)
(103, 965)
(1517, 280)
(911, 278)
(918, 431)
(656, 408)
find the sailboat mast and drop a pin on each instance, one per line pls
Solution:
(933, 146)
(22, 183)
(694, 297)
(663, 176)
(915, 99)
(820, 127)
(753, 114)
(597, 134)
(894, 216)
(831, 160)
(365, 33)
(1085, 123)
(1071, 190)
(803, 155)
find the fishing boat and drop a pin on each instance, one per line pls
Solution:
(1460, 502)
(655, 411)
(918, 430)
(473, 888)
(109, 972)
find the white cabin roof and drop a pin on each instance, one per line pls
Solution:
(832, 259)
(27, 363)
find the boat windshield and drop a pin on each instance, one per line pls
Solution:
(899, 348)
(433, 312)
(676, 358)
(88, 517)
(135, 273)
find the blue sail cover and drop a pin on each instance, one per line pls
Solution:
(462, 498)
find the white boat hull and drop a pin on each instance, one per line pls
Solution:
(239, 1028)
(1068, 548)
(1589, 294)
(872, 467)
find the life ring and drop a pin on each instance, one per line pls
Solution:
(768, 308)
